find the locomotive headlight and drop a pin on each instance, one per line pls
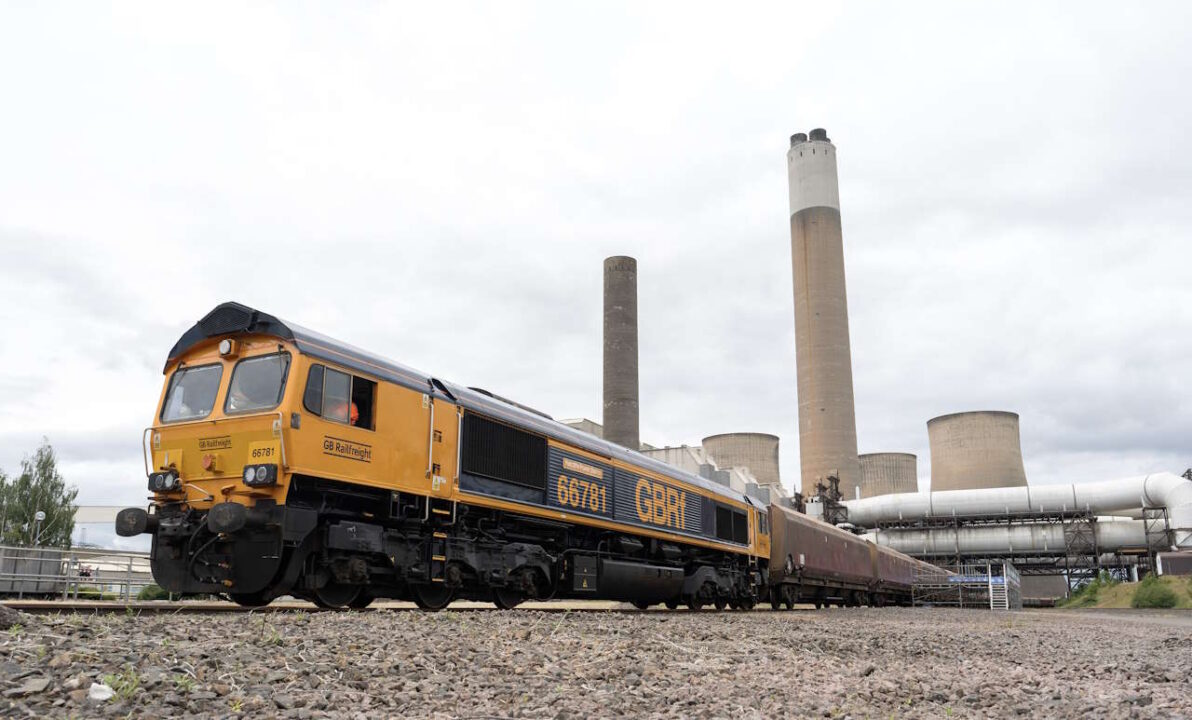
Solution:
(163, 481)
(260, 475)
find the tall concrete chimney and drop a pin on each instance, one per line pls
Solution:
(620, 351)
(827, 418)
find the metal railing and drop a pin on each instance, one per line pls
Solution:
(72, 573)
(992, 585)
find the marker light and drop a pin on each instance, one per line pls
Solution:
(163, 481)
(260, 475)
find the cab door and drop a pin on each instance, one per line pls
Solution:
(443, 423)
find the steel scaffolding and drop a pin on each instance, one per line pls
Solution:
(993, 586)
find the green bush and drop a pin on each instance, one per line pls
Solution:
(90, 593)
(1086, 595)
(1153, 594)
(153, 592)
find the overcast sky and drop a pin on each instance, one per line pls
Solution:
(440, 185)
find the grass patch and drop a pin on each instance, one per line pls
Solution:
(87, 592)
(1121, 594)
(1152, 593)
(125, 683)
(153, 592)
(1089, 594)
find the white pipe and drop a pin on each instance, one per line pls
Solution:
(1112, 497)
(1003, 539)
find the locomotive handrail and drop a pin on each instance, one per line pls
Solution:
(279, 431)
(144, 450)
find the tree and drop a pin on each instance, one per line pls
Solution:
(39, 488)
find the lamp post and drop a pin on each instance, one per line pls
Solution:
(38, 518)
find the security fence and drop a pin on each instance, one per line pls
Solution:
(74, 573)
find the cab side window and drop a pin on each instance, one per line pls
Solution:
(340, 397)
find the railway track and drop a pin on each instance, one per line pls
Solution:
(48, 607)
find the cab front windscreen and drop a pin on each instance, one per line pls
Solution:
(257, 383)
(192, 393)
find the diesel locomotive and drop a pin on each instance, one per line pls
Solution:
(282, 462)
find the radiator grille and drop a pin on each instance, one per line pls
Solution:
(498, 451)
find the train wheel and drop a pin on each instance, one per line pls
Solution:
(363, 599)
(818, 605)
(721, 603)
(672, 604)
(336, 596)
(431, 597)
(789, 602)
(640, 604)
(775, 600)
(695, 603)
(251, 600)
(505, 598)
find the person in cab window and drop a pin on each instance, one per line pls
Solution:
(335, 411)
(252, 391)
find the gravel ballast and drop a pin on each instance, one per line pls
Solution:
(858, 663)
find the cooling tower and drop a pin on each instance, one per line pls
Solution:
(888, 473)
(756, 451)
(975, 450)
(620, 352)
(827, 421)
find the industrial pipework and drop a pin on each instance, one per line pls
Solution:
(1158, 490)
(1001, 539)
(827, 416)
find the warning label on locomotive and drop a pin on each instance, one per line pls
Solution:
(338, 447)
(223, 442)
(578, 484)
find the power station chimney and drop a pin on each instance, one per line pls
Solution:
(620, 351)
(827, 418)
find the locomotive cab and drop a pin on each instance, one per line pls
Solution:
(216, 457)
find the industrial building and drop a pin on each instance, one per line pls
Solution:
(980, 509)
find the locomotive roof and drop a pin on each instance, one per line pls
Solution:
(232, 318)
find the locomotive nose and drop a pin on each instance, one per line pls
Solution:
(134, 521)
